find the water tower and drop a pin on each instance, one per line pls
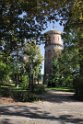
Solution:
(53, 48)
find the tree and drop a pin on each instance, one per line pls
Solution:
(21, 19)
(32, 62)
(5, 69)
(75, 23)
(66, 66)
(26, 19)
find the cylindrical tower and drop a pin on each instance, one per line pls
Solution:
(53, 47)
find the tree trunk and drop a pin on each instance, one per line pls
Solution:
(79, 90)
(31, 79)
(81, 56)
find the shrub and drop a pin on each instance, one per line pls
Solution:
(39, 88)
(23, 96)
(5, 91)
(78, 85)
(24, 82)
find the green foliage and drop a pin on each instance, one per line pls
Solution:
(18, 94)
(66, 66)
(23, 96)
(24, 82)
(39, 88)
(5, 91)
(78, 85)
(25, 19)
(33, 62)
(4, 71)
(75, 24)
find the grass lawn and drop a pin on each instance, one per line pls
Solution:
(66, 89)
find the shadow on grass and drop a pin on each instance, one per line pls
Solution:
(34, 113)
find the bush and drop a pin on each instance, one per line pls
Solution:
(23, 96)
(20, 94)
(39, 88)
(78, 85)
(24, 82)
(5, 91)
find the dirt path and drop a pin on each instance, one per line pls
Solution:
(56, 108)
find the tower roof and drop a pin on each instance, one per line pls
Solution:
(53, 32)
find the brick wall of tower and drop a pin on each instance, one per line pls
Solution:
(53, 38)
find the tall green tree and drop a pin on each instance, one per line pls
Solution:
(66, 66)
(33, 60)
(75, 23)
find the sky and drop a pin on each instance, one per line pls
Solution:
(51, 26)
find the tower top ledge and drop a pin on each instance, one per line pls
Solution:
(53, 32)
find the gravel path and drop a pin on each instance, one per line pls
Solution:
(56, 108)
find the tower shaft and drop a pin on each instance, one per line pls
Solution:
(53, 47)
